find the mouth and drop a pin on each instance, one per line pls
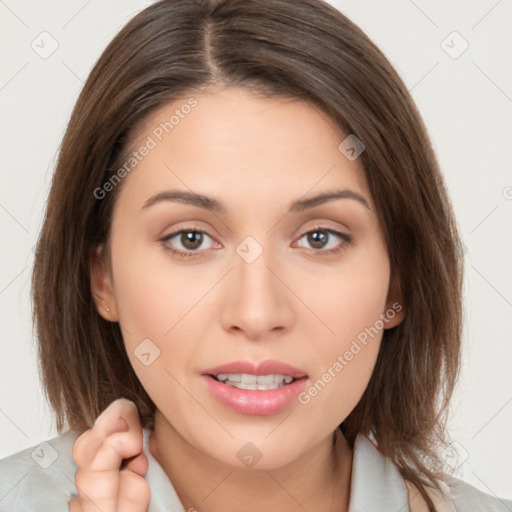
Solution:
(254, 382)
(265, 375)
(250, 388)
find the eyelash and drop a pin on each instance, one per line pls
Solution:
(347, 239)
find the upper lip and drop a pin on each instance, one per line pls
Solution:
(267, 367)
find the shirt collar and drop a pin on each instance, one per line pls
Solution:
(376, 483)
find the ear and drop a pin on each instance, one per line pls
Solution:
(101, 284)
(395, 307)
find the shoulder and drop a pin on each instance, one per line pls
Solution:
(456, 495)
(391, 489)
(41, 477)
(468, 498)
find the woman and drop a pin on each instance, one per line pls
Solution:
(247, 237)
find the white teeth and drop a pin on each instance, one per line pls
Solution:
(254, 382)
(252, 379)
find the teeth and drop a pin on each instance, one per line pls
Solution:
(253, 379)
(254, 382)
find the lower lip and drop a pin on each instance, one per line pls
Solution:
(255, 402)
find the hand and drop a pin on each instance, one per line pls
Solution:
(111, 463)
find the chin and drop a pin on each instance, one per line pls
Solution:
(254, 452)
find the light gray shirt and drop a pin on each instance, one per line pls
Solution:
(42, 478)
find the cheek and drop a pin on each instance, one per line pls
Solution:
(350, 307)
(153, 300)
(343, 363)
(152, 307)
(152, 295)
(353, 298)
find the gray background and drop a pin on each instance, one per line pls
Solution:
(465, 99)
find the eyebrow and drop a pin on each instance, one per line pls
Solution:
(213, 205)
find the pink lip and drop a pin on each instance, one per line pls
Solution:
(267, 367)
(255, 402)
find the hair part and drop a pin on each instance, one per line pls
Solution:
(311, 52)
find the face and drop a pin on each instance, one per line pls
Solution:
(246, 269)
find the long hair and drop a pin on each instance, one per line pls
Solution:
(304, 49)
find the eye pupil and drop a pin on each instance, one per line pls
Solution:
(317, 239)
(191, 239)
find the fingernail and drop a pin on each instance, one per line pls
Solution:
(122, 425)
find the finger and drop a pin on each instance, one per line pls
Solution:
(138, 464)
(97, 490)
(111, 491)
(119, 416)
(116, 434)
(134, 492)
(92, 452)
(99, 453)
(120, 426)
(86, 447)
(74, 505)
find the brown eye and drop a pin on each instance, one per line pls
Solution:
(326, 240)
(187, 242)
(317, 239)
(191, 239)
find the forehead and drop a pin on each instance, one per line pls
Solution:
(230, 140)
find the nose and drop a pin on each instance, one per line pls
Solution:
(257, 302)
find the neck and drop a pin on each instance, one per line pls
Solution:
(317, 480)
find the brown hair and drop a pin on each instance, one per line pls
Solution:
(307, 50)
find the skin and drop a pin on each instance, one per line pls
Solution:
(295, 303)
(100, 481)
